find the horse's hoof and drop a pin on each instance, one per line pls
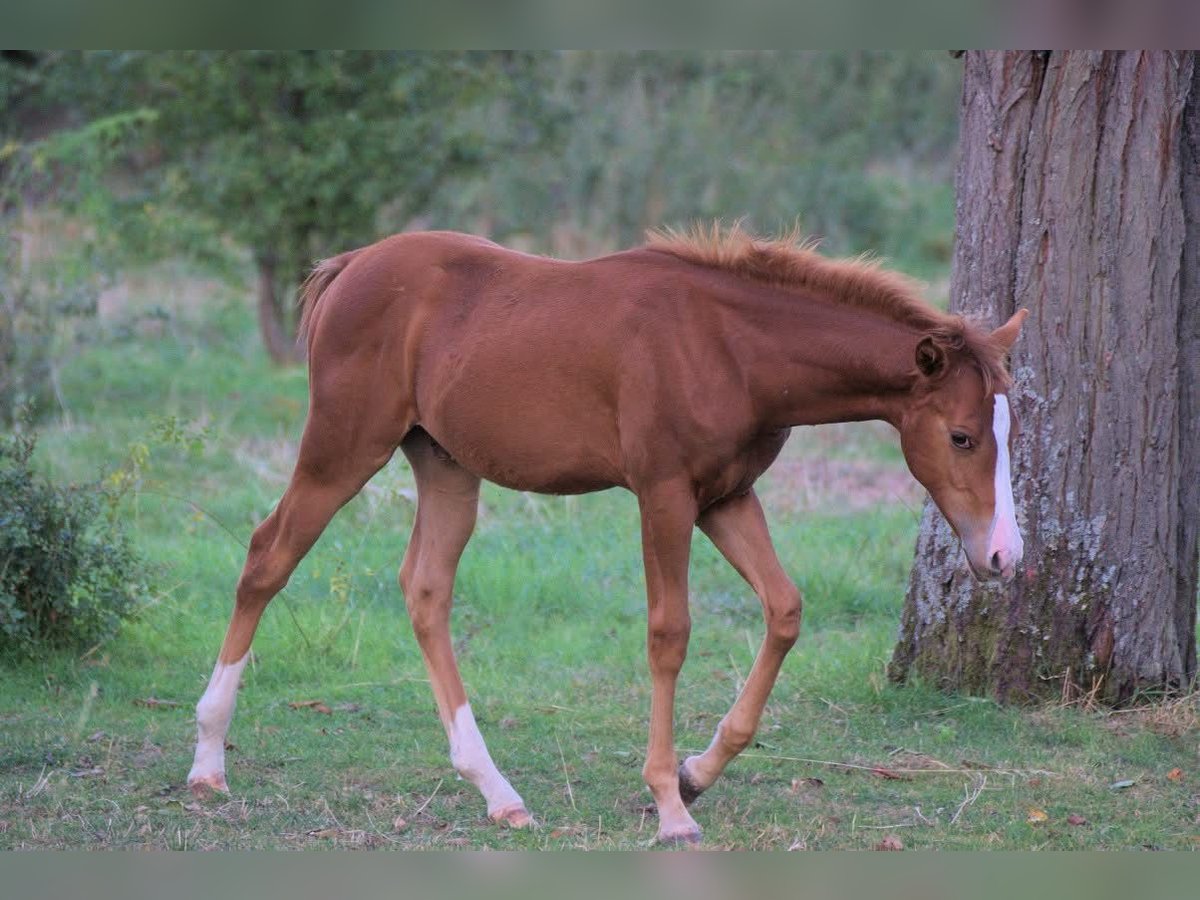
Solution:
(688, 789)
(205, 786)
(513, 817)
(682, 837)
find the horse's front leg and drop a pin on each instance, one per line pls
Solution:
(738, 529)
(668, 516)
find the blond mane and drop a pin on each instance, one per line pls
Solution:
(790, 261)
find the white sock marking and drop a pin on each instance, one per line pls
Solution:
(213, 714)
(1005, 536)
(470, 757)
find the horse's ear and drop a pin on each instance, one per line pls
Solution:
(931, 357)
(1006, 334)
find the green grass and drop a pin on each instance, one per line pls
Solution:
(549, 626)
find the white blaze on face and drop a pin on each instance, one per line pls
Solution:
(1005, 537)
(213, 714)
(470, 757)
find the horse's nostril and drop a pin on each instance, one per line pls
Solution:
(995, 561)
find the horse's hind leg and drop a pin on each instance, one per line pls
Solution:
(447, 500)
(339, 452)
(737, 527)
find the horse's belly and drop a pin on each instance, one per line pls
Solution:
(546, 472)
(528, 409)
(540, 452)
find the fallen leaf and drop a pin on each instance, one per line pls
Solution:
(156, 703)
(890, 842)
(799, 784)
(1175, 774)
(1034, 782)
(1122, 785)
(1076, 819)
(1036, 816)
(314, 705)
(888, 774)
(324, 833)
(400, 824)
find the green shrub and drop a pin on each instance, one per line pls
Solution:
(68, 571)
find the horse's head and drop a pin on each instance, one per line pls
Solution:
(957, 435)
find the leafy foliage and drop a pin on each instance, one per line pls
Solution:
(294, 154)
(857, 146)
(68, 571)
(24, 342)
(46, 291)
(297, 154)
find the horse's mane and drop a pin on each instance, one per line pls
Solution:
(791, 261)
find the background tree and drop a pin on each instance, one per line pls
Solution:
(1078, 196)
(297, 154)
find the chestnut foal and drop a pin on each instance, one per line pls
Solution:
(675, 370)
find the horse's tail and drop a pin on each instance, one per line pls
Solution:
(315, 285)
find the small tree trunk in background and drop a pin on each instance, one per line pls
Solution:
(1078, 196)
(277, 336)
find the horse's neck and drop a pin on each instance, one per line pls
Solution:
(823, 362)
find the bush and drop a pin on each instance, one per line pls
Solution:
(68, 571)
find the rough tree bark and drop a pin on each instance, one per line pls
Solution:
(1078, 197)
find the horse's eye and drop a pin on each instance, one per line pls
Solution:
(962, 441)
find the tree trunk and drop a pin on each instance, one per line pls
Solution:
(277, 337)
(1078, 196)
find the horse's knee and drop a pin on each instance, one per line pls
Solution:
(428, 602)
(668, 641)
(784, 612)
(262, 576)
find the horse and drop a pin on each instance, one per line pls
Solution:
(675, 370)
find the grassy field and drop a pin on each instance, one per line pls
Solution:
(549, 626)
